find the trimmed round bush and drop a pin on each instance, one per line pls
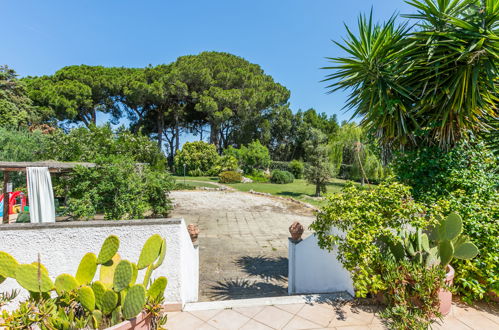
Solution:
(230, 177)
(281, 177)
(297, 168)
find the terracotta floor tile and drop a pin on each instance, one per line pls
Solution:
(204, 326)
(317, 314)
(183, 321)
(298, 323)
(478, 321)
(290, 308)
(273, 317)
(206, 314)
(353, 316)
(254, 325)
(228, 320)
(450, 323)
(249, 311)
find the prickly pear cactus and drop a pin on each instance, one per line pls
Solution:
(123, 275)
(157, 288)
(134, 301)
(108, 249)
(86, 298)
(65, 283)
(116, 315)
(99, 290)
(106, 275)
(8, 265)
(450, 228)
(150, 251)
(162, 254)
(87, 268)
(466, 250)
(33, 279)
(109, 301)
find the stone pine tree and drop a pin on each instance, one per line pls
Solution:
(319, 170)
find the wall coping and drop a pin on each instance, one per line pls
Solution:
(90, 223)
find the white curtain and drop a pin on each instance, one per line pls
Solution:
(40, 194)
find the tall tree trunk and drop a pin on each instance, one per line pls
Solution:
(161, 125)
(214, 135)
(94, 116)
(177, 133)
(318, 190)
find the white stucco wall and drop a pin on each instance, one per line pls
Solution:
(62, 245)
(313, 270)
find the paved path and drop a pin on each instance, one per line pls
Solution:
(320, 315)
(243, 241)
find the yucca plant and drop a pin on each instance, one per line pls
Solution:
(434, 82)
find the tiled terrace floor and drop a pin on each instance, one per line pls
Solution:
(243, 243)
(329, 315)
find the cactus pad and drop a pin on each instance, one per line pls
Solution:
(108, 249)
(162, 255)
(30, 278)
(446, 252)
(466, 250)
(86, 298)
(42, 267)
(158, 287)
(450, 227)
(135, 273)
(65, 283)
(150, 251)
(116, 316)
(96, 318)
(87, 268)
(99, 290)
(123, 275)
(8, 265)
(134, 301)
(109, 301)
(106, 275)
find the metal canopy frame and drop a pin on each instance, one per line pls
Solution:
(53, 166)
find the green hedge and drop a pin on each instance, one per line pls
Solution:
(230, 177)
(281, 177)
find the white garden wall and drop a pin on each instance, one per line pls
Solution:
(313, 270)
(62, 245)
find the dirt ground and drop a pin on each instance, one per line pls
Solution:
(243, 241)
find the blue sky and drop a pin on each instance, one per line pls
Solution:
(288, 38)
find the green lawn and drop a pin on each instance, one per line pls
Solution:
(299, 189)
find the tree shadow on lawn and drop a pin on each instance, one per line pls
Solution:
(265, 267)
(291, 194)
(244, 288)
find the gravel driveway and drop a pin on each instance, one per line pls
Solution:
(243, 241)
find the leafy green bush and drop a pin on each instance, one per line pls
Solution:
(364, 217)
(297, 168)
(281, 177)
(225, 163)
(279, 165)
(99, 142)
(199, 158)
(258, 176)
(119, 189)
(230, 177)
(254, 156)
(465, 180)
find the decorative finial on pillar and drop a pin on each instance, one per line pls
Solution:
(296, 230)
(193, 232)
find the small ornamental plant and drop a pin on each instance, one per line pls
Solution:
(81, 301)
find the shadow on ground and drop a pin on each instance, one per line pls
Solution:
(243, 288)
(264, 267)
